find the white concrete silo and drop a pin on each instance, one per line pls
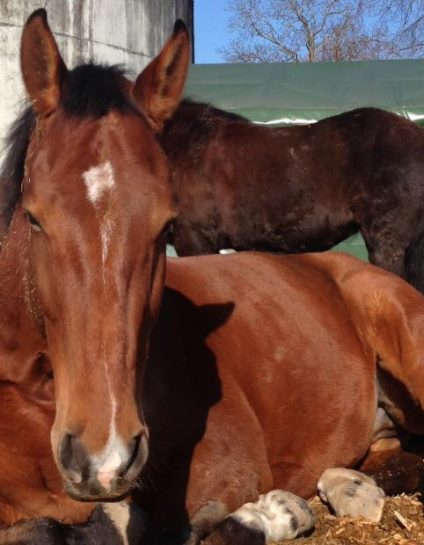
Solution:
(128, 32)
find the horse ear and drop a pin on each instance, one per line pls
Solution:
(159, 87)
(43, 69)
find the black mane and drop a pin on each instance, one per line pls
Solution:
(205, 109)
(92, 90)
(89, 91)
(12, 169)
(192, 124)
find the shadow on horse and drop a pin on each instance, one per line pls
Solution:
(202, 385)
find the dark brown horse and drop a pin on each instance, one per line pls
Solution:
(258, 372)
(297, 189)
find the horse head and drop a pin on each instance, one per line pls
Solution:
(97, 204)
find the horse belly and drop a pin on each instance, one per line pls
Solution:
(324, 427)
(290, 368)
(290, 225)
(313, 392)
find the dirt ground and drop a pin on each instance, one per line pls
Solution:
(402, 524)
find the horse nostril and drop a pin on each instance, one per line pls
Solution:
(133, 448)
(65, 450)
(138, 449)
(73, 457)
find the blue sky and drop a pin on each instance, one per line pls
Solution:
(210, 29)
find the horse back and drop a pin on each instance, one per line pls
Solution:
(251, 331)
(290, 189)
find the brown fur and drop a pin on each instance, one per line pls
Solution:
(92, 337)
(281, 388)
(258, 372)
(30, 483)
(234, 359)
(298, 189)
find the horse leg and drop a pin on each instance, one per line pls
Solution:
(395, 242)
(229, 468)
(385, 250)
(393, 469)
(414, 259)
(276, 516)
(387, 315)
(281, 515)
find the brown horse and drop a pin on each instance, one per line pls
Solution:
(91, 282)
(259, 371)
(30, 483)
(298, 189)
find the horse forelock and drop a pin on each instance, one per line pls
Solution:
(92, 90)
(89, 91)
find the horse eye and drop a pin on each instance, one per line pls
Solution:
(34, 223)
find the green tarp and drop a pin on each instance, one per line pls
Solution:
(291, 93)
(294, 93)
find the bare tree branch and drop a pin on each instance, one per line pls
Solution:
(314, 30)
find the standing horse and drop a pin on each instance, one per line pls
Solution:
(298, 189)
(259, 371)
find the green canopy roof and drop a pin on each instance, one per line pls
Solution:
(289, 93)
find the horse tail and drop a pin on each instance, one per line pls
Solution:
(414, 259)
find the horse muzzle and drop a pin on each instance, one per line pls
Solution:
(104, 476)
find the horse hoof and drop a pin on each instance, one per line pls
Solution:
(277, 515)
(351, 493)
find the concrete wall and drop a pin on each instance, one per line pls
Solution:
(130, 32)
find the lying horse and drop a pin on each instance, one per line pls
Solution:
(258, 373)
(298, 189)
(213, 411)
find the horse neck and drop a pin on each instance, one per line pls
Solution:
(20, 335)
(190, 122)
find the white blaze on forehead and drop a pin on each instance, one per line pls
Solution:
(98, 180)
(105, 233)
